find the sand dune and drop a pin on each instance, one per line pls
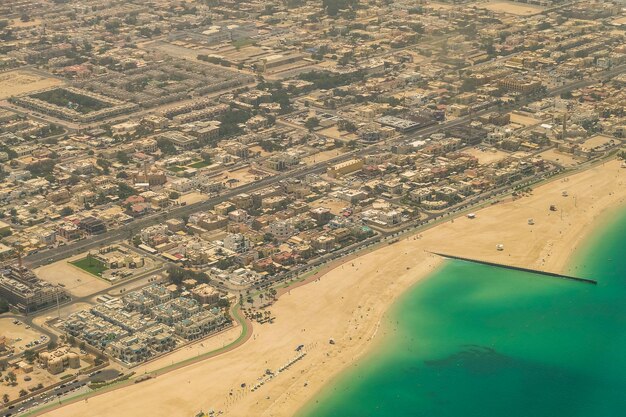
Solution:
(347, 304)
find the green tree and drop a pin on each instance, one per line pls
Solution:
(231, 121)
(124, 190)
(73, 180)
(103, 163)
(177, 275)
(66, 211)
(122, 157)
(29, 355)
(11, 378)
(346, 125)
(332, 7)
(166, 146)
(206, 157)
(42, 168)
(311, 123)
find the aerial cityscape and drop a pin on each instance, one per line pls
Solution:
(312, 208)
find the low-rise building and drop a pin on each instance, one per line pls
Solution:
(59, 360)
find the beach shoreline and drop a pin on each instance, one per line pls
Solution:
(348, 303)
(568, 263)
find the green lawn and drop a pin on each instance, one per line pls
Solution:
(67, 99)
(92, 266)
(200, 164)
(240, 43)
(176, 169)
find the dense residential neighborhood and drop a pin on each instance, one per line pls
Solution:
(167, 166)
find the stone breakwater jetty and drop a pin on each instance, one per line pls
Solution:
(518, 268)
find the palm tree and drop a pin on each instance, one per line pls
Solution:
(11, 378)
(5, 398)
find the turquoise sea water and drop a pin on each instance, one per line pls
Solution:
(479, 341)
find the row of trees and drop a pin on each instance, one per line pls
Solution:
(218, 61)
(332, 7)
(327, 81)
(177, 275)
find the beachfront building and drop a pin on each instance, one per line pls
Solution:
(147, 322)
(199, 325)
(129, 349)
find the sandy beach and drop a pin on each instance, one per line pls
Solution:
(348, 302)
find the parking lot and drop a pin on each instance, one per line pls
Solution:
(20, 335)
(72, 387)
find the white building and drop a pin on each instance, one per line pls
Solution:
(236, 242)
(281, 229)
(182, 185)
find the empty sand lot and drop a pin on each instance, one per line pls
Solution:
(62, 313)
(14, 83)
(14, 332)
(523, 120)
(561, 158)
(335, 205)
(597, 140)
(77, 282)
(242, 176)
(321, 156)
(192, 198)
(516, 9)
(487, 156)
(334, 133)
